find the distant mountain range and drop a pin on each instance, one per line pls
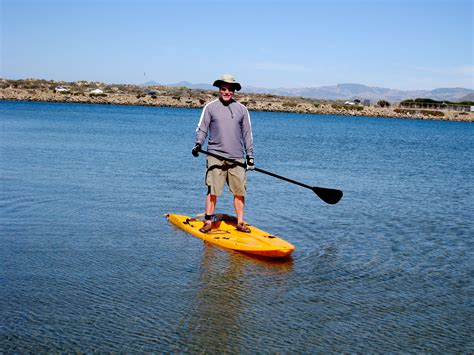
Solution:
(349, 92)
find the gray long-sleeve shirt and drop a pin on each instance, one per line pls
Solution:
(228, 129)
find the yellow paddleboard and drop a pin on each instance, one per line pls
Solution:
(225, 234)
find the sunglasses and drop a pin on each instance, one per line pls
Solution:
(227, 89)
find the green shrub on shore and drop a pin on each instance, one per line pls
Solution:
(97, 95)
(421, 112)
(434, 113)
(405, 111)
(347, 107)
(383, 103)
(434, 103)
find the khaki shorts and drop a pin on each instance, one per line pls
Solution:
(220, 172)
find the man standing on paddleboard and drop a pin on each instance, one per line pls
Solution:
(226, 124)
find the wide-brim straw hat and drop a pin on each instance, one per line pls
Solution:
(227, 79)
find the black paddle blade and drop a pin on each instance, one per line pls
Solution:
(330, 196)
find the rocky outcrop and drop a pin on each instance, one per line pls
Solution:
(255, 102)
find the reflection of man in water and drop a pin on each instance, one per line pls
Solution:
(230, 287)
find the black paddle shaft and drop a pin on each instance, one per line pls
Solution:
(331, 196)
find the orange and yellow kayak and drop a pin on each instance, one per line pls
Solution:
(225, 235)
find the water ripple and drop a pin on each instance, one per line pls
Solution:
(89, 263)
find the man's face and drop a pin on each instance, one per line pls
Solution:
(226, 92)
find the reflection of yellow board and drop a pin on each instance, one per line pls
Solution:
(225, 234)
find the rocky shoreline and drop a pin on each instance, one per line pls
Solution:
(191, 98)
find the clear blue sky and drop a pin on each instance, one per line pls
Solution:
(400, 44)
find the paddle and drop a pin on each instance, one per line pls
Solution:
(330, 196)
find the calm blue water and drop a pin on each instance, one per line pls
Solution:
(89, 263)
